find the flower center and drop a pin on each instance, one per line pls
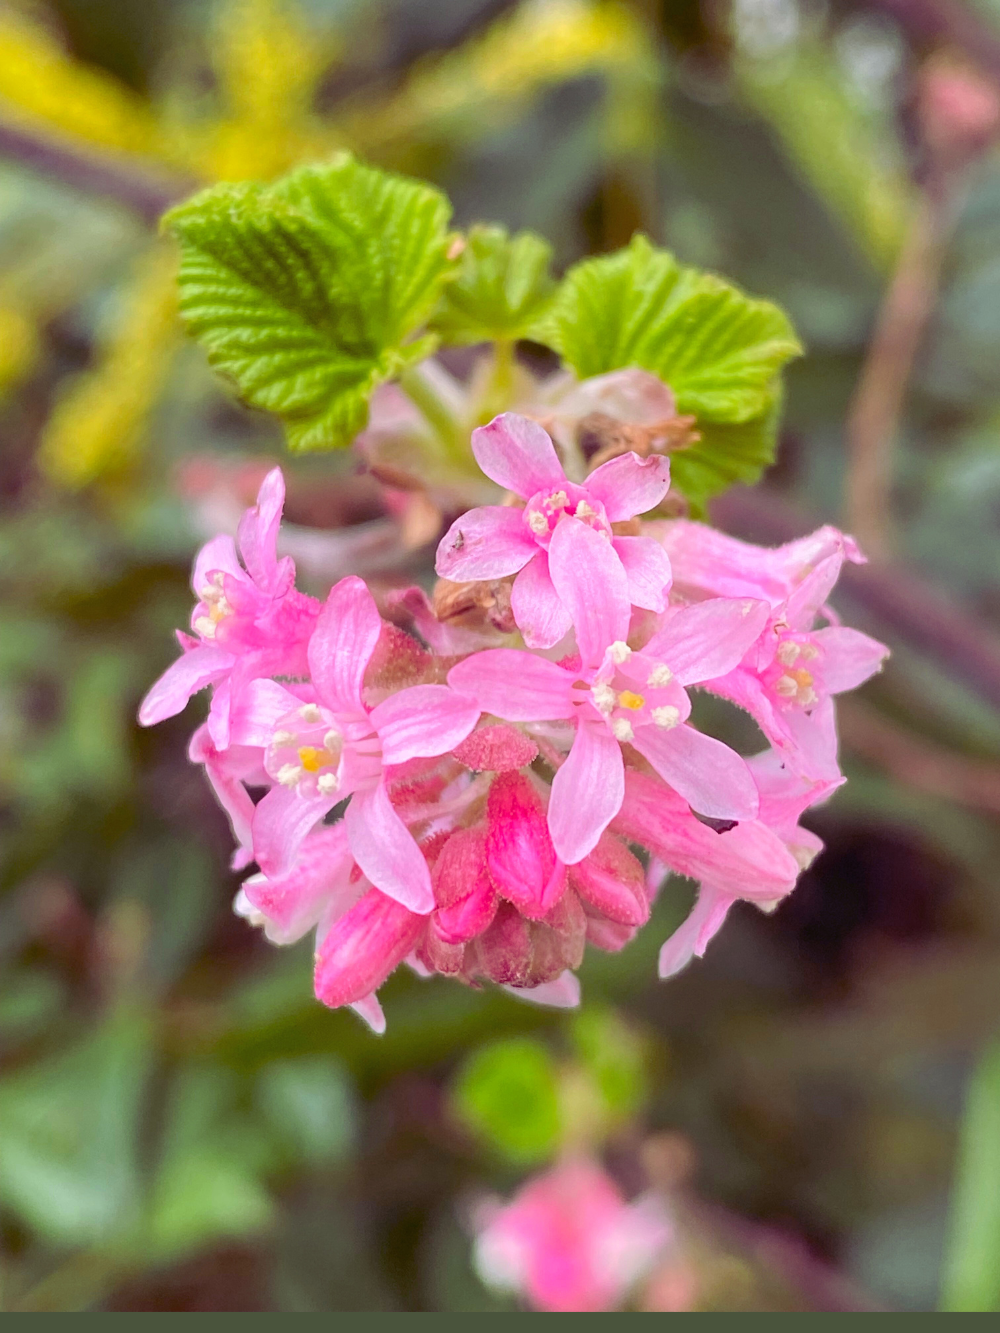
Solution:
(795, 684)
(305, 752)
(548, 508)
(214, 597)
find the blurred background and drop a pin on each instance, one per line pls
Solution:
(182, 1127)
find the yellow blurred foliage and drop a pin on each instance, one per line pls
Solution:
(97, 426)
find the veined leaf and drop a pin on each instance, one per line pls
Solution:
(503, 287)
(307, 293)
(718, 349)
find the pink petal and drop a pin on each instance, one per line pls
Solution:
(563, 993)
(647, 570)
(806, 600)
(363, 947)
(485, 543)
(519, 853)
(317, 888)
(280, 822)
(517, 454)
(710, 638)
(629, 485)
(342, 644)
(691, 938)
(385, 850)
(592, 585)
(537, 609)
(257, 710)
(587, 792)
(217, 555)
(711, 777)
(227, 774)
(514, 685)
(258, 530)
(189, 674)
(371, 1012)
(218, 710)
(849, 657)
(422, 721)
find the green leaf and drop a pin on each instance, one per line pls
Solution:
(724, 456)
(502, 290)
(971, 1279)
(508, 1094)
(309, 1103)
(615, 1058)
(307, 293)
(719, 350)
(69, 1137)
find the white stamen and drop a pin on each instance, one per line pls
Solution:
(809, 651)
(331, 741)
(619, 652)
(538, 523)
(788, 653)
(283, 738)
(558, 500)
(205, 627)
(289, 774)
(622, 729)
(310, 713)
(584, 510)
(659, 676)
(787, 687)
(666, 717)
(808, 697)
(327, 784)
(603, 696)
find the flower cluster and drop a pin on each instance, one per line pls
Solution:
(483, 799)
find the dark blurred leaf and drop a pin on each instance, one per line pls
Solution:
(309, 1104)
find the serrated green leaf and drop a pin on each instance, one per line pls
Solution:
(724, 456)
(718, 349)
(508, 1094)
(309, 292)
(503, 287)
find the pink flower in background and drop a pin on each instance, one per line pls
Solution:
(496, 540)
(249, 621)
(568, 1241)
(324, 750)
(616, 695)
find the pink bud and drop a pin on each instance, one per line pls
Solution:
(463, 890)
(519, 852)
(612, 880)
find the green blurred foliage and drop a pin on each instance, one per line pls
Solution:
(174, 1105)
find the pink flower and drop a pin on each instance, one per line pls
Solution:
(568, 1241)
(616, 695)
(787, 682)
(496, 540)
(249, 622)
(334, 746)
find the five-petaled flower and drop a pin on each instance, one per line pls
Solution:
(497, 540)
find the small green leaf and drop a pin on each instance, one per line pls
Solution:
(971, 1278)
(307, 293)
(719, 350)
(508, 1094)
(502, 290)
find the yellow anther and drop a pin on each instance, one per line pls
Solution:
(312, 759)
(802, 678)
(632, 701)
